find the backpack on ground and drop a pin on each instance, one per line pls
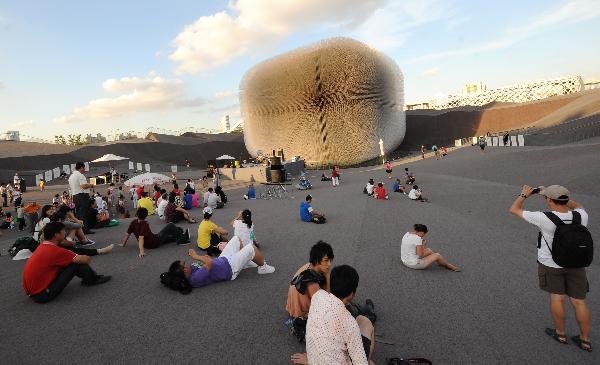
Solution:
(23, 243)
(572, 246)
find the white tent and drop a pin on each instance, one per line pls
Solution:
(225, 157)
(110, 157)
(149, 178)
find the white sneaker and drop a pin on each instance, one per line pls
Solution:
(266, 269)
(250, 265)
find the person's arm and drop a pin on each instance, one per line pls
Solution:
(70, 216)
(311, 289)
(125, 238)
(354, 343)
(300, 358)
(572, 204)
(82, 259)
(221, 231)
(205, 259)
(141, 246)
(517, 206)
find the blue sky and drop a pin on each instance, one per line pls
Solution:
(79, 66)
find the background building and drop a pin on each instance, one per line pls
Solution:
(10, 136)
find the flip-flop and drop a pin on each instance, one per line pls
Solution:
(581, 342)
(559, 338)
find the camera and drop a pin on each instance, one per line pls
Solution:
(535, 191)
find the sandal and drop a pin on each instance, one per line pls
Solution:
(584, 345)
(560, 338)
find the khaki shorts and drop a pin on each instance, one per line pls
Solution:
(572, 282)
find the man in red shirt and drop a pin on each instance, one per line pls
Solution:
(379, 192)
(50, 269)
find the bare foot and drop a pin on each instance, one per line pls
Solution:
(299, 358)
(453, 268)
(106, 249)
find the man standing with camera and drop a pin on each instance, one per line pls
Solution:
(80, 190)
(564, 250)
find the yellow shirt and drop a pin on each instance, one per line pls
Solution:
(204, 230)
(146, 203)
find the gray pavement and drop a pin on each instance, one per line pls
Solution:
(491, 313)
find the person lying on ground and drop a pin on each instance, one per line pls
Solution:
(369, 187)
(210, 235)
(234, 258)
(73, 226)
(140, 228)
(243, 228)
(559, 281)
(50, 268)
(146, 202)
(379, 192)
(308, 214)
(333, 336)
(175, 214)
(398, 187)
(308, 279)
(416, 194)
(416, 255)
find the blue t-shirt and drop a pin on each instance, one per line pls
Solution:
(396, 186)
(251, 193)
(187, 200)
(304, 212)
(220, 271)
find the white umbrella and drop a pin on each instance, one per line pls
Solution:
(149, 178)
(225, 157)
(110, 157)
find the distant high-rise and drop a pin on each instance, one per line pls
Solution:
(474, 88)
(225, 126)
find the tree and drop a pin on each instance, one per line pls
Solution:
(60, 139)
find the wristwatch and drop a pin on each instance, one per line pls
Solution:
(523, 196)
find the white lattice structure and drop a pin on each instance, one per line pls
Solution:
(519, 93)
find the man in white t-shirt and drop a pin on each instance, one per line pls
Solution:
(370, 187)
(559, 282)
(416, 194)
(163, 201)
(416, 256)
(80, 190)
(213, 200)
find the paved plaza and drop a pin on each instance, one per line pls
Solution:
(491, 313)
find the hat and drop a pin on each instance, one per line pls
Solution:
(555, 192)
(208, 210)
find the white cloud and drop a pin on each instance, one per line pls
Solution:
(2, 85)
(431, 72)
(150, 93)
(225, 94)
(22, 124)
(215, 40)
(573, 11)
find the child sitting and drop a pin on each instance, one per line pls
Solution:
(7, 222)
(251, 194)
(398, 187)
(379, 192)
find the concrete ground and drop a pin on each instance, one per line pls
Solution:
(491, 313)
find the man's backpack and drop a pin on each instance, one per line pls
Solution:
(23, 243)
(572, 246)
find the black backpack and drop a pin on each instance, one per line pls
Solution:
(23, 243)
(572, 246)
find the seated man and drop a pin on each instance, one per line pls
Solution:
(379, 192)
(97, 219)
(213, 200)
(410, 178)
(333, 336)
(50, 268)
(210, 235)
(234, 258)
(251, 194)
(398, 187)
(416, 194)
(146, 202)
(175, 214)
(163, 201)
(146, 239)
(415, 255)
(308, 214)
(308, 279)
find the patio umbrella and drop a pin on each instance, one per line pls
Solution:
(225, 157)
(110, 157)
(149, 178)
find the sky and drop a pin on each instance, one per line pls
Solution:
(70, 67)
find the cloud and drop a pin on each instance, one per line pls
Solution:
(391, 25)
(24, 123)
(571, 12)
(2, 85)
(431, 72)
(138, 95)
(225, 94)
(250, 25)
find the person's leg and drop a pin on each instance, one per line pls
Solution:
(63, 278)
(439, 259)
(557, 309)
(83, 251)
(583, 316)
(169, 233)
(368, 331)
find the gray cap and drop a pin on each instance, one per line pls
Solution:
(555, 192)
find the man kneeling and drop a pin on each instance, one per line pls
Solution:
(227, 266)
(50, 269)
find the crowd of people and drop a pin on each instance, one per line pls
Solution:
(321, 303)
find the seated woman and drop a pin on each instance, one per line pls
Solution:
(379, 192)
(416, 256)
(243, 228)
(175, 214)
(97, 219)
(234, 258)
(416, 194)
(251, 194)
(219, 191)
(73, 226)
